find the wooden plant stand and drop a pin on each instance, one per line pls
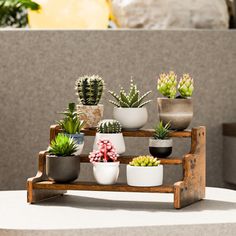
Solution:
(186, 192)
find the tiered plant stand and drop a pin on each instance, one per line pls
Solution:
(186, 191)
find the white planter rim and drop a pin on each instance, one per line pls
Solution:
(144, 167)
(160, 142)
(114, 163)
(130, 108)
(164, 98)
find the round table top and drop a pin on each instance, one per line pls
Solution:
(108, 213)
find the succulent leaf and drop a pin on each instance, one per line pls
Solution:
(145, 161)
(109, 126)
(185, 86)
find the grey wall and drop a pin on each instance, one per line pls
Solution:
(38, 70)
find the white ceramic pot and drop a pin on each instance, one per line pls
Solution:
(106, 173)
(116, 139)
(131, 118)
(144, 176)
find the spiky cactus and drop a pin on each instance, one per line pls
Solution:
(145, 161)
(185, 86)
(109, 126)
(89, 89)
(132, 99)
(166, 84)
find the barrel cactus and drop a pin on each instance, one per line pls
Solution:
(145, 161)
(185, 86)
(132, 99)
(166, 84)
(89, 89)
(109, 126)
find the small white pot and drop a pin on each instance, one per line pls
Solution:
(131, 118)
(144, 176)
(116, 139)
(106, 173)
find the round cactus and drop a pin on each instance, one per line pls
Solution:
(109, 126)
(185, 86)
(89, 89)
(145, 161)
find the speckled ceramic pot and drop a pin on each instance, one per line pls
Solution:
(179, 112)
(90, 114)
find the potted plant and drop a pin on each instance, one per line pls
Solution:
(144, 171)
(72, 125)
(176, 109)
(62, 165)
(129, 108)
(105, 164)
(111, 130)
(90, 90)
(161, 145)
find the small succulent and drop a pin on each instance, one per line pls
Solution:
(132, 99)
(71, 124)
(62, 146)
(106, 152)
(145, 161)
(166, 84)
(109, 126)
(161, 131)
(185, 86)
(89, 89)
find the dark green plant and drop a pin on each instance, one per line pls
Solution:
(13, 13)
(109, 126)
(161, 131)
(132, 99)
(62, 146)
(89, 89)
(145, 161)
(71, 124)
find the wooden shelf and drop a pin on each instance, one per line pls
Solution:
(143, 133)
(97, 187)
(127, 159)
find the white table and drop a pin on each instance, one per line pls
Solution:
(116, 213)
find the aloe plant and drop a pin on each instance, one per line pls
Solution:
(89, 89)
(71, 124)
(109, 126)
(62, 146)
(161, 131)
(130, 99)
(144, 161)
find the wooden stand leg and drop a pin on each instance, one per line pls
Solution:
(192, 188)
(36, 195)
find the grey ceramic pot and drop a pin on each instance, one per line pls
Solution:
(62, 169)
(178, 111)
(79, 138)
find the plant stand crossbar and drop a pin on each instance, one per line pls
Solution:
(186, 192)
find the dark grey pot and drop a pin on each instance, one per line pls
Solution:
(161, 148)
(178, 111)
(62, 169)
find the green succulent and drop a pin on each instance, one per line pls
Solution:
(145, 161)
(161, 131)
(132, 99)
(13, 13)
(166, 84)
(71, 124)
(109, 126)
(62, 146)
(185, 86)
(89, 89)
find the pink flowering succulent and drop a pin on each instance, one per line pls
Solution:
(106, 152)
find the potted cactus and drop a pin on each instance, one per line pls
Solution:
(129, 107)
(178, 109)
(90, 90)
(144, 171)
(62, 165)
(105, 164)
(111, 130)
(72, 125)
(161, 145)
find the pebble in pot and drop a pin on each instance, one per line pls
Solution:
(130, 108)
(161, 145)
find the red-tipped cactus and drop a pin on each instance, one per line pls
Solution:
(185, 86)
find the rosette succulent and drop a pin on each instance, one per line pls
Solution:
(161, 131)
(185, 86)
(89, 89)
(109, 126)
(145, 161)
